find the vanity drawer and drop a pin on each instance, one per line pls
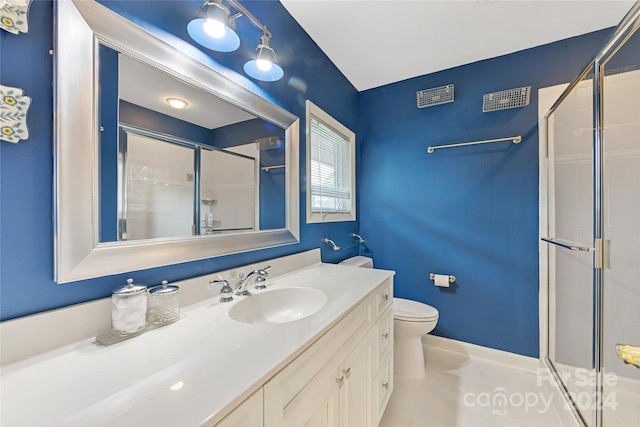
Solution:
(382, 388)
(384, 296)
(383, 340)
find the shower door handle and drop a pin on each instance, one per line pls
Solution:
(566, 245)
(629, 354)
(601, 249)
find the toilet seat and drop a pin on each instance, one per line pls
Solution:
(413, 311)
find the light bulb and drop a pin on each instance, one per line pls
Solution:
(214, 28)
(264, 64)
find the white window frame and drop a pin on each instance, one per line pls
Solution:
(316, 217)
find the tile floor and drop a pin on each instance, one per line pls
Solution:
(461, 391)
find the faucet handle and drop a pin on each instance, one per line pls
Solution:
(264, 271)
(226, 292)
(218, 279)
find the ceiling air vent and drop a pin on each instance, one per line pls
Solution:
(434, 96)
(504, 99)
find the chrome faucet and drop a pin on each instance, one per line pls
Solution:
(256, 278)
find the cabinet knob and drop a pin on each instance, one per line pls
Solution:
(340, 381)
(386, 385)
(347, 372)
(385, 335)
(385, 297)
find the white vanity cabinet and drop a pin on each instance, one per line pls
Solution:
(248, 414)
(331, 368)
(333, 382)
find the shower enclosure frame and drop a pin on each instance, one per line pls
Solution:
(623, 32)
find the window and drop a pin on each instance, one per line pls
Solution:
(331, 179)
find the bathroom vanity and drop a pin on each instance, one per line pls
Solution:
(333, 367)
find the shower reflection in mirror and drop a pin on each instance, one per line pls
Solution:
(176, 162)
(172, 188)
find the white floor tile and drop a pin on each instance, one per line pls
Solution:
(462, 391)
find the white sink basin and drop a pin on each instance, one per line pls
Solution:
(278, 305)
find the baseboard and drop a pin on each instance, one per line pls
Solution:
(525, 363)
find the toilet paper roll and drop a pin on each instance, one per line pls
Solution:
(441, 280)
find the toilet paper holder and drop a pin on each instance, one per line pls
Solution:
(432, 276)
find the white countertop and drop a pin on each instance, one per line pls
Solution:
(185, 374)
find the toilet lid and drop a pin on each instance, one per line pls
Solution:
(404, 309)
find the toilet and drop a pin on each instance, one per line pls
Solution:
(411, 320)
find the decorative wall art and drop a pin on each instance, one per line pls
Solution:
(13, 15)
(13, 114)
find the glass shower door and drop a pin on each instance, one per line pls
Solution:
(570, 163)
(621, 211)
(593, 159)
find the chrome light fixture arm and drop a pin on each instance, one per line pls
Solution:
(243, 11)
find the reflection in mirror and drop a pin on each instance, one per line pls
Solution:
(156, 188)
(113, 119)
(185, 163)
(228, 196)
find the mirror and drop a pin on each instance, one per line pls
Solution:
(139, 183)
(201, 167)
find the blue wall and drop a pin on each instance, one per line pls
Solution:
(26, 247)
(471, 212)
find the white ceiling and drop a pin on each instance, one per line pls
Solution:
(144, 85)
(376, 42)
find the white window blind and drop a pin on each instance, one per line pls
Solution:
(330, 169)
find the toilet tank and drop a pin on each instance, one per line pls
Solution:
(358, 261)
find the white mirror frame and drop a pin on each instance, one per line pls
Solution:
(79, 254)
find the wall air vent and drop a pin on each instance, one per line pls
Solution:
(504, 99)
(435, 96)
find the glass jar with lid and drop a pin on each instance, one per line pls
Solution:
(129, 309)
(164, 305)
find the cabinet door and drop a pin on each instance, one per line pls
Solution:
(317, 405)
(247, 414)
(355, 393)
(330, 349)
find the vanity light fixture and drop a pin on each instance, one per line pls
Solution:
(177, 103)
(216, 31)
(264, 67)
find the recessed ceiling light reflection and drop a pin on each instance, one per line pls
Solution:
(177, 103)
(177, 386)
